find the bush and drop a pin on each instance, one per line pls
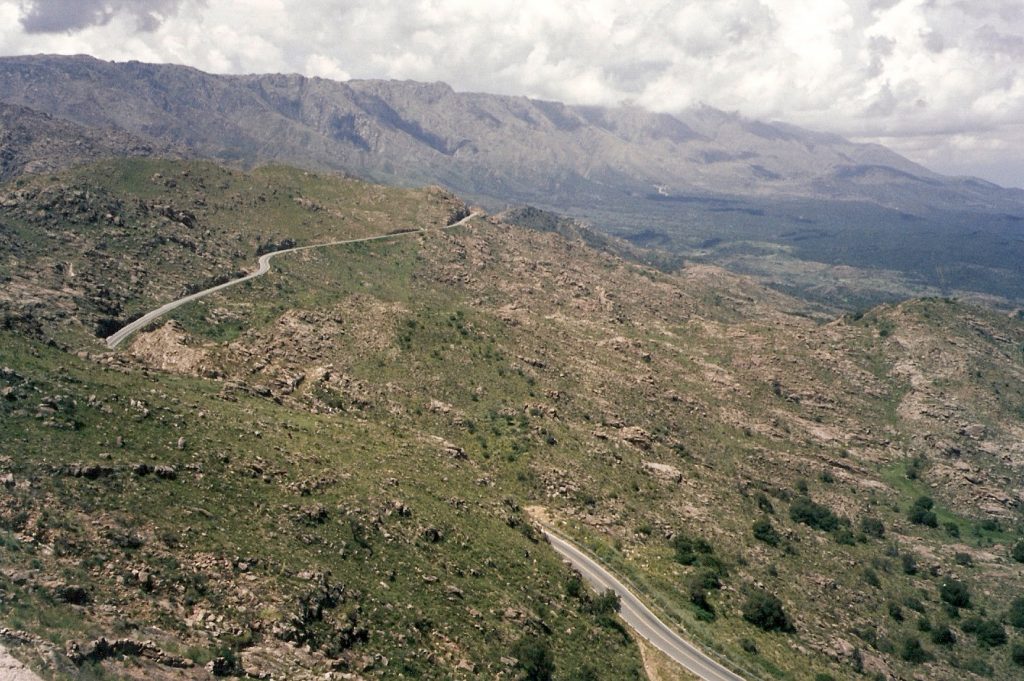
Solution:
(921, 512)
(1017, 654)
(1015, 616)
(844, 536)
(896, 612)
(605, 604)
(990, 633)
(765, 611)
(872, 527)
(912, 652)
(955, 593)
(766, 532)
(534, 658)
(871, 577)
(1017, 553)
(952, 529)
(688, 548)
(942, 635)
(909, 564)
(964, 559)
(812, 514)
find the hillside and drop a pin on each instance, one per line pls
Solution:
(336, 467)
(806, 212)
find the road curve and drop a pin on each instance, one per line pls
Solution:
(117, 338)
(639, 617)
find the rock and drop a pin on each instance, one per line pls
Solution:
(7, 480)
(465, 665)
(181, 443)
(72, 594)
(166, 472)
(636, 436)
(433, 535)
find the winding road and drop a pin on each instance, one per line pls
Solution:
(639, 617)
(127, 330)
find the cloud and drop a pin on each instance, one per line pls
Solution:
(59, 16)
(900, 70)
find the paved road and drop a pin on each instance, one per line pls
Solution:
(264, 266)
(637, 615)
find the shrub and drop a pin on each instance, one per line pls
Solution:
(812, 514)
(766, 532)
(1017, 553)
(872, 527)
(534, 658)
(990, 633)
(912, 652)
(921, 512)
(909, 564)
(896, 612)
(764, 503)
(871, 577)
(942, 635)
(844, 536)
(964, 559)
(688, 548)
(765, 611)
(955, 593)
(952, 529)
(1016, 614)
(1017, 654)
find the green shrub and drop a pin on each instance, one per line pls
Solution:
(871, 577)
(1015, 616)
(872, 527)
(688, 549)
(812, 514)
(765, 611)
(955, 593)
(913, 652)
(942, 635)
(921, 512)
(989, 633)
(534, 658)
(1017, 654)
(896, 612)
(766, 532)
(844, 536)
(964, 559)
(952, 529)
(909, 564)
(1017, 553)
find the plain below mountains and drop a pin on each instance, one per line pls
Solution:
(807, 212)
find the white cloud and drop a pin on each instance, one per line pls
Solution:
(912, 72)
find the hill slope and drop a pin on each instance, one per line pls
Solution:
(768, 199)
(345, 454)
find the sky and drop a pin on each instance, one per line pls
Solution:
(940, 81)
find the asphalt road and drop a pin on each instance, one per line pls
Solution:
(127, 330)
(639, 617)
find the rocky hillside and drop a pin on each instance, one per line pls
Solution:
(335, 469)
(705, 182)
(34, 142)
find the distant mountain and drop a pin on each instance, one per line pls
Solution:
(34, 142)
(704, 183)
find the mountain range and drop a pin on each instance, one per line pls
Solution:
(767, 199)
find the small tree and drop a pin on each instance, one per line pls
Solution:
(942, 635)
(765, 611)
